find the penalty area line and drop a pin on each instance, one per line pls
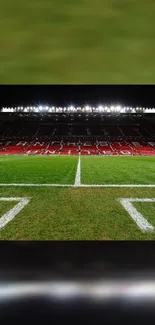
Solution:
(141, 222)
(7, 217)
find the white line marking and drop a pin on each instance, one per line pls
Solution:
(142, 200)
(13, 212)
(142, 223)
(81, 185)
(117, 185)
(37, 185)
(78, 174)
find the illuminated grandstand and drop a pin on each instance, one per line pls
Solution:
(86, 130)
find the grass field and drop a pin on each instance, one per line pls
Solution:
(76, 198)
(85, 41)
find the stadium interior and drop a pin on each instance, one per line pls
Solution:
(77, 174)
(75, 133)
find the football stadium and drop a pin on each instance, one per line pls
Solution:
(77, 173)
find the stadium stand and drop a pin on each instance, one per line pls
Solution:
(98, 135)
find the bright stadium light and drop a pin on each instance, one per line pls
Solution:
(77, 109)
(43, 108)
(100, 108)
(71, 108)
(87, 108)
(118, 108)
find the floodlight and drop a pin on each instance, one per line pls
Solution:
(87, 108)
(100, 108)
(118, 108)
(71, 108)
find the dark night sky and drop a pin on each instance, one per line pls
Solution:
(77, 95)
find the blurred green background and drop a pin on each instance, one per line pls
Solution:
(84, 41)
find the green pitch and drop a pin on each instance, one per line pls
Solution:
(84, 41)
(118, 170)
(37, 169)
(88, 213)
